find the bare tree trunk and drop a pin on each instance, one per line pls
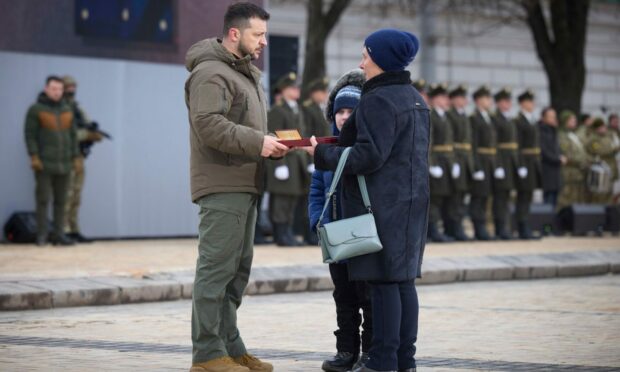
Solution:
(318, 28)
(561, 48)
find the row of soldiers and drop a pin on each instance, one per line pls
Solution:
(288, 179)
(488, 155)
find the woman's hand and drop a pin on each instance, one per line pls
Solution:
(310, 149)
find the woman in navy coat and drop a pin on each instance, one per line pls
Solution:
(389, 136)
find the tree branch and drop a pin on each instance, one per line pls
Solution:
(334, 13)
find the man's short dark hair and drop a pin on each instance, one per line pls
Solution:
(239, 15)
(51, 78)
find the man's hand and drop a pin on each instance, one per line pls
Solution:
(78, 164)
(310, 149)
(273, 148)
(35, 163)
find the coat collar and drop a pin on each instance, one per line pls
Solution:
(387, 78)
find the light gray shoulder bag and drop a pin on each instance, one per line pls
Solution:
(348, 237)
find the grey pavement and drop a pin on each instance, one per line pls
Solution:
(44, 293)
(519, 325)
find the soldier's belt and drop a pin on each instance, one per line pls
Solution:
(463, 146)
(531, 151)
(486, 150)
(508, 146)
(442, 148)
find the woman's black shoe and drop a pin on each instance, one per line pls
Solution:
(341, 362)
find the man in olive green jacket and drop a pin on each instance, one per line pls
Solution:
(228, 139)
(52, 145)
(574, 171)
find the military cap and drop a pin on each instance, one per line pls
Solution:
(437, 89)
(285, 81)
(459, 91)
(504, 93)
(318, 84)
(419, 85)
(482, 92)
(68, 80)
(597, 123)
(528, 95)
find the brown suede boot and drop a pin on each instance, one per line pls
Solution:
(223, 364)
(253, 363)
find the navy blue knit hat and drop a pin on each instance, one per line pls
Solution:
(347, 97)
(392, 49)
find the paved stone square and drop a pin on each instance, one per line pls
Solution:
(553, 324)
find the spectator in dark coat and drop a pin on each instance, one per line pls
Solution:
(552, 158)
(350, 296)
(389, 139)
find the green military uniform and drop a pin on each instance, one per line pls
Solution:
(529, 159)
(463, 156)
(507, 159)
(314, 122)
(484, 149)
(76, 180)
(441, 156)
(574, 189)
(51, 136)
(288, 178)
(602, 146)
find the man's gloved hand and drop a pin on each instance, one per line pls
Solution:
(282, 173)
(478, 176)
(78, 164)
(94, 136)
(35, 163)
(456, 170)
(522, 171)
(435, 171)
(499, 173)
(311, 168)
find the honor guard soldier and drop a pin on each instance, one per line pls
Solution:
(442, 167)
(484, 149)
(420, 86)
(507, 163)
(529, 170)
(578, 161)
(314, 121)
(602, 147)
(287, 178)
(461, 130)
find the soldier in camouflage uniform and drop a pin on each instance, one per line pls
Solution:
(601, 146)
(76, 180)
(441, 161)
(529, 170)
(287, 178)
(507, 163)
(461, 130)
(484, 148)
(574, 171)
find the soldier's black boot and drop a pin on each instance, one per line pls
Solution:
(342, 361)
(259, 237)
(435, 235)
(292, 238)
(525, 233)
(61, 239)
(481, 231)
(501, 231)
(41, 240)
(459, 233)
(281, 237)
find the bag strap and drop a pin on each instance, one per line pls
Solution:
(361, 180)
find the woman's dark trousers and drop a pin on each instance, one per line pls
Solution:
(395, 326)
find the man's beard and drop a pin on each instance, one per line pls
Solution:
(245, 51)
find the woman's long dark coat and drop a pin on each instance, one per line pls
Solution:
(389, 133)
